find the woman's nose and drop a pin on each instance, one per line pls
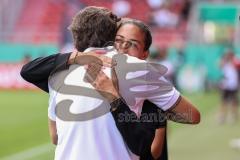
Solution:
(123, 50)
(126, 45)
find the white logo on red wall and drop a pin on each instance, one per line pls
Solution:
(10, 77)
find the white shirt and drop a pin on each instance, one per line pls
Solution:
(98, 138)
(230, 80)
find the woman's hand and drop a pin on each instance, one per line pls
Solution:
(96, 56)
(107, 87)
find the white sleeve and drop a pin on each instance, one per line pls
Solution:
(165, 100)
(165, 96)
(160, 92)
(52, 104)
(149, 83)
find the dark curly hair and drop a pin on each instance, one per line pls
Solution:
(93, 27)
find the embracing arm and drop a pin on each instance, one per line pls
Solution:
(184, 112)
(38, 70)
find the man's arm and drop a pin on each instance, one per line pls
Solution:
(184, 112)
(53, 131)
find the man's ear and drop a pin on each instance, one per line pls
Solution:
(145, 55)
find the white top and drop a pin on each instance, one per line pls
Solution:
(99, 138)
(230, 80)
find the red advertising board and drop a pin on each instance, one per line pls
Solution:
(10, 77)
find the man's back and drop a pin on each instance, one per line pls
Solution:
(95, 137)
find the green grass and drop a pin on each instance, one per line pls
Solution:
(23, 122)
(206, 141)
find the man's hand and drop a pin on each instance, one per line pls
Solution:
(79, 57)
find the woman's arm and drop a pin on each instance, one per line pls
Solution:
(38, 70)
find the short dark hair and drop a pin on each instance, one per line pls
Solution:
(93, 27)
(143, 27)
